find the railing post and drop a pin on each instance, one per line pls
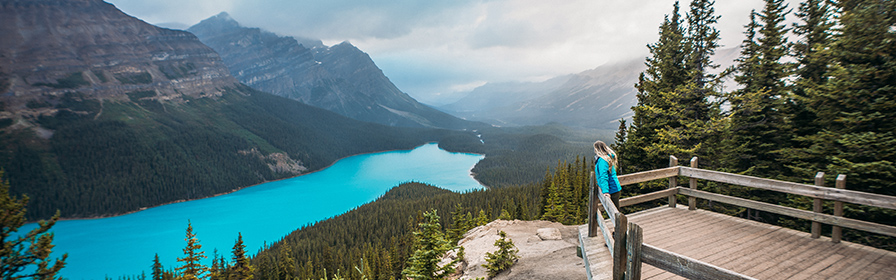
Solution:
(816, 205)
(836, 231)
(673, 181)
(692, 201)
(592, 206)
(633, 248)
(619, 250)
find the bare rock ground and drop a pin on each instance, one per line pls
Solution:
(547, 250)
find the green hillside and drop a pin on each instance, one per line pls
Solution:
(109, 157)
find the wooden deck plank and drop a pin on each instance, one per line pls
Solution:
(756, 249)
(691, 227)
(866, 260)
(659, 227)
(748, 264)
(852, 255)
(817, 267)
(889, 269)
(799, 262)
(744, 236)
(747, 246)
(717, 233)
(596, 255)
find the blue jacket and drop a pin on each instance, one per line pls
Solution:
(606, 176)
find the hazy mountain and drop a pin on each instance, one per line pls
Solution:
(596, 98)
(102, 113)
(340, 78)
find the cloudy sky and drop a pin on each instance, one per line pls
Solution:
(431, 49)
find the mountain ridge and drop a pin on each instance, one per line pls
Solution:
(340, 78)
(595, 98)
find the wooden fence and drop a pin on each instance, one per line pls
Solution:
(629, 251)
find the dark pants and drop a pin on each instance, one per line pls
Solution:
(615, 198)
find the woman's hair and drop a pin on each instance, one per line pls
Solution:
(603, 151)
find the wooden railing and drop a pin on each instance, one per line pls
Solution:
(629, 251)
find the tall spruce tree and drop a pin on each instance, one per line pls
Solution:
(692, 112)
(192, 267)
(759, 128)
(241, 268)
(703, 38)
(812, 52)
(157, 269)
(677, 113)
(666, 70)
(28, 255)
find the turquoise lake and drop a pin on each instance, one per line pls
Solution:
(125, 245)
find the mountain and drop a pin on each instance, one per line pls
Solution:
(340, 78)
(102, 113)
(596, 98)
(102, 55)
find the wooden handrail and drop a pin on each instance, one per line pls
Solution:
(870, 199)
(793, 212)
(695, 269)
(685, 266)
(650, 175)
(641, 198)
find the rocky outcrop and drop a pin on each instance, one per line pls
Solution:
(340, 78)
(51, 47)
(549, 257)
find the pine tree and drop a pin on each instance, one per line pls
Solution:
(192, 267)
(703, 38)
(758, 121)
(502, 259)
(811, 53)
(15, 257)
(854, 108)
(459, 225)
(554, 208)
(287, 264)
(430, 245)
(218, 270)
(482, 219)
(240, 269)
(157, 269)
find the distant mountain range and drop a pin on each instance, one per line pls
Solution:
(102, 113)
(340, 78)
(596, 98)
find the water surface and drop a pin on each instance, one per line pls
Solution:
(125, 245)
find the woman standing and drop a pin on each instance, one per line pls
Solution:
(605, 161)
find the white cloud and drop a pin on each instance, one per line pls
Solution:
(435, 47)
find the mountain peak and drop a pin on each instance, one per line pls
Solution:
(341, 78)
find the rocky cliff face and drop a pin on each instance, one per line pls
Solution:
(340, 78)
(51, 47)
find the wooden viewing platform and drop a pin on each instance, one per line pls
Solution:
(681, 242)
(748, 247)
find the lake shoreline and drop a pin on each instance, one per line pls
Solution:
(472, 174)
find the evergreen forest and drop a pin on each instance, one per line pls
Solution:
(112, 157)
